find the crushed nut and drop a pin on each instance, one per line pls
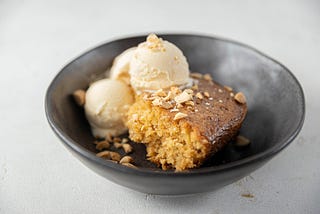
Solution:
(220, 101)
(207, 104)
(168, 97)
(166, 105)
(126, 159)
(117, 140)
(189, 91)
(156, 102)
(102, 145)
(199, 95)
(108, 137)
(240, 98)
(231, 94)
(207, 77)
(242, 141)
(195, 87)
(109, 155)
(80, 97)
(160, 93)
(129, 165)
(190, 103)
(206, 94)
(115, 156)
(183, 97)
(220, 90)
(127, 148)
(210, 98)
(196, 75)
(179, 105)
(175, 90)
(179, 115)
(228, 88)
(117, 145)
(174, 110)
(124, 140)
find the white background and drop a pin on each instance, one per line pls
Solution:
(38, 175)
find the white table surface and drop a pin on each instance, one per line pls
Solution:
(38, 175)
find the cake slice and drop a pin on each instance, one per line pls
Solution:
(182, 128)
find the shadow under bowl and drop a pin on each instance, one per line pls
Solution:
(275, 102)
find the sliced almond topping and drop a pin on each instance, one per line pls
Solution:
(206, 94)
(80, 97)
(240, 98)
(242, 141)
(207, 77)
(127, 148)
(179, 115)
(126, 159)
(183, 97)
(103, 145)
(228, 88)
(196, 75)
(199, 95)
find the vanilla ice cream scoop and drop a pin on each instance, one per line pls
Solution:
(121, 65)
(107, 102)
(157, 64)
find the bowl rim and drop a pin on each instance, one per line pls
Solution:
(268, 153)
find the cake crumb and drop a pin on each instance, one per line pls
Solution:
(179, 116)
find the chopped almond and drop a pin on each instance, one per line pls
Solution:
(179, 116)
(240, 98)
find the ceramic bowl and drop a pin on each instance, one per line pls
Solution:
(275, 116)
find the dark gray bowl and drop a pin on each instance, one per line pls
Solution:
(275, 115)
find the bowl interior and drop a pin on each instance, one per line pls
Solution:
(275, 99)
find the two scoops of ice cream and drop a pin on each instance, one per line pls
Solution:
(152, 65)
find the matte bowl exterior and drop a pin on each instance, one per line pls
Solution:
(275, 101)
